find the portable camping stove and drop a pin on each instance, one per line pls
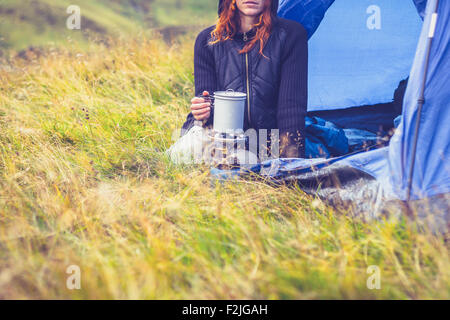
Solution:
(227, 150)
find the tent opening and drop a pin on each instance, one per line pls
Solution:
(360, 56)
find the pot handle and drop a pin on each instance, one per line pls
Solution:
(210, 98)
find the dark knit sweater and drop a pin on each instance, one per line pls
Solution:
(292, 85)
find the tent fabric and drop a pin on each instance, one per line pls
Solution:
(366, 54)
(432, 170)
(308, 13)
(421, 6)
(368, 179)
(311, 12)
(432, 166)
(375, 118)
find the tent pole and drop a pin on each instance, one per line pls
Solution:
(421, 100)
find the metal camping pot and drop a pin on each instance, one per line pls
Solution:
(229, 108)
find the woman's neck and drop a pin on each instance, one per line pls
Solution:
(247, 23)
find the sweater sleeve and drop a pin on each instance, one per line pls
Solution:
(204, 73)
(292, 98)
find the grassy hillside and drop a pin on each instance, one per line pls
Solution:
(183, 12)
(84, 181)
(28, 23)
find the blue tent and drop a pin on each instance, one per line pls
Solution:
(359, 51)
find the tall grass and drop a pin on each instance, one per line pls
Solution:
(84, 181)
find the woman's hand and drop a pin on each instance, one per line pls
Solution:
(201, 107)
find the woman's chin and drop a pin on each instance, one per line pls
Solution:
(251, 12)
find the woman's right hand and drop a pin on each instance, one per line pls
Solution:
(201, 107)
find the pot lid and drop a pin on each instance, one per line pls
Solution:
(230, 95)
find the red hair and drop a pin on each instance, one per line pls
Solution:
(228, 25)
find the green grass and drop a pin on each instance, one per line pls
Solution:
(187, 12)
(43, 22)
(94, 189)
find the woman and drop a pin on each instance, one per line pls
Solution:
(252, 50)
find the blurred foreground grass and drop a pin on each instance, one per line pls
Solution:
(83, 182)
